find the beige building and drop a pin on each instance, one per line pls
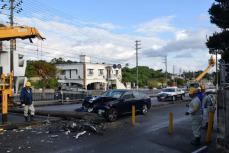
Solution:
(90, 76)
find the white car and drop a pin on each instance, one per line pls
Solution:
(171, 93)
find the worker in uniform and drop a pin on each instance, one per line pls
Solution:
(26, 98)
(195, 110)
(208, 105)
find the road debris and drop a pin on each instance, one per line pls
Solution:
(28, 128)
(54, 136)
(67, 132)
(79, 134)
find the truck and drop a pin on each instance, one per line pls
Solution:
(194, 85)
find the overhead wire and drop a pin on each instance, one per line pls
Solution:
(46, 16)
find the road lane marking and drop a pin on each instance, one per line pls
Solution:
(200, 149)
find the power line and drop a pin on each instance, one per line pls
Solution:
(73, 53)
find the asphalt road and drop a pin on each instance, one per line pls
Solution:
(149, 135)
(72, 107)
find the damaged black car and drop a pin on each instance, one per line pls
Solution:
(113, 103)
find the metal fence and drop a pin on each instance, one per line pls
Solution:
(64, 96)
(51, 96)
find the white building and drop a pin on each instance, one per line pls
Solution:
(19, 65)
(87, 75)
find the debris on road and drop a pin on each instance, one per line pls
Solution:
(54, 136)
(79, 134)
(67, 132)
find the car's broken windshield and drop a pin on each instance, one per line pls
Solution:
(113, 94)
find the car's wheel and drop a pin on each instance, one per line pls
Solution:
(144, 109)
(112, 115)
(173, 98)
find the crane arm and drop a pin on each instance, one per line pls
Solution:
(21, 32)
(210, 65)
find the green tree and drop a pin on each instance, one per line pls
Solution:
(146, 74)
(180, 82)
(60, 60)
(153, 84)
(46, 71)
(219, 15)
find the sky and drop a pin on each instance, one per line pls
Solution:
(106, 31)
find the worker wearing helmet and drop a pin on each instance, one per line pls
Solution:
(26, 98)
(195, 110)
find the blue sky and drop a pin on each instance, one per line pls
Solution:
(106, 30)
(131, 12)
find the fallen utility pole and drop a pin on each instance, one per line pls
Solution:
(66, 115)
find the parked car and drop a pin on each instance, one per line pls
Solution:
(171, 93)
(113, 103)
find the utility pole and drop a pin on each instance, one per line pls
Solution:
(13, 41)
(137, 44)
(216, 71)
(11, 6)
(166, 66)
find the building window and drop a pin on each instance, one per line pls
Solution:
(116, 72)
(90, 71)
(76, 71)
(63, 72)
(20, 60)
(70, 74)
(101, 71)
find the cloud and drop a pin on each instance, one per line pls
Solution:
(184, 55)
(186, 41)
(101, 44)
(104, 45)
(108, 26)
(158, 25)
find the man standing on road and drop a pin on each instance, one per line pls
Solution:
(195, 110)
(26, 98)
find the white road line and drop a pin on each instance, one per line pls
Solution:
(200, 149)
